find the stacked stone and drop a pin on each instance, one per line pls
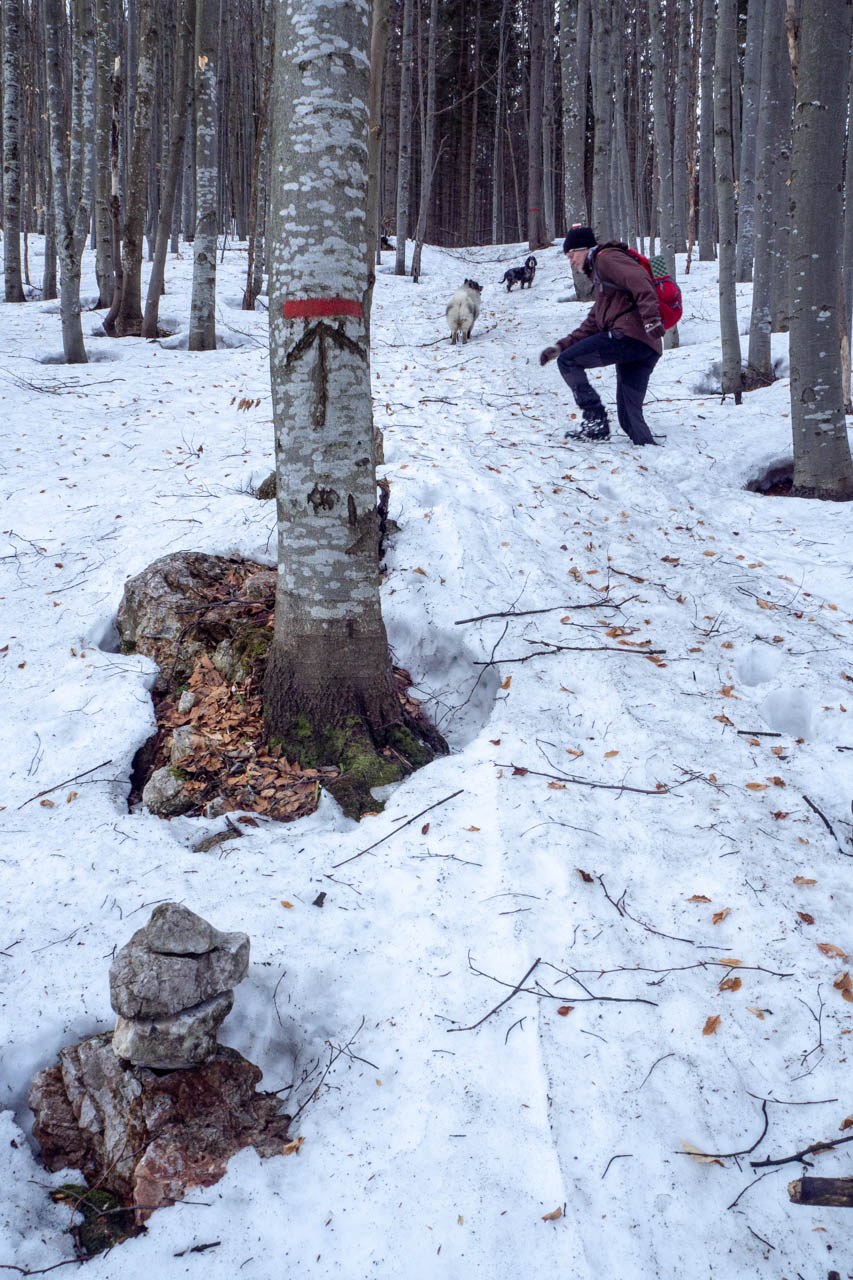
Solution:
(172, 987)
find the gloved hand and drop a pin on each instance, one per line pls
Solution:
(549, 354)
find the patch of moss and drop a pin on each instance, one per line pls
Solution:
(106, 1221)
(410, 748)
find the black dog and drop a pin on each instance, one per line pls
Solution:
(520, 275)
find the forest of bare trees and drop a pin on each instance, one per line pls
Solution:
(131, 125)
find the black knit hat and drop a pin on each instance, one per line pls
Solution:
(579, 238)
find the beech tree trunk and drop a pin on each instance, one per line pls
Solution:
(663, 147)
(129, 318)
(822, 462)
(748, 153)
(707, 238)
(329, 693)
(72, 194)
(404, 153)
(536, 232)
(427, 113)
(724, 166)
(11, 151)
(202, 335)
(185, 23)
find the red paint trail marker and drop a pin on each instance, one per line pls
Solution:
(309, 308)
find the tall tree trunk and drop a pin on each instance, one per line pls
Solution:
(847, 260)
(129, 318)
(663, 147)
(680, 167)
(329, 691)
(601, 76)
(749, 131)
(724, 166)
(202, 336)
(72, 195)
(574, 69)
(11, 151)
(707, 238)
(256, 207)
(536, 232)
(427, 113)
(404, 153)
(822, 462)
(104, 65)
(771, 109)
(548, 109)
(470, 231)
(185, 28)
(498, 137)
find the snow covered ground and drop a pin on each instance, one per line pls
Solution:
(678, 910)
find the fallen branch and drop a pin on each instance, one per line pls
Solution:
(829, 1191)
(573, 648)
(407, 823)
(521, 772)
(731, 1155)
(528, 613)
(798, 1155)
(506, 1000)
(76, 778)
(828, 826)
(623, 911)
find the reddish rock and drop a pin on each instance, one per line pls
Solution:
(150, 1137)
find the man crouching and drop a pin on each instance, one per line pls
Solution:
(623, 328)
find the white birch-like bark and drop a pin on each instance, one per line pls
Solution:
(202, 335)
(822, 462)
(329, 661)
(14, 287)
(724, 168)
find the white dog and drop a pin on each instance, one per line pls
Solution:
(463, 309)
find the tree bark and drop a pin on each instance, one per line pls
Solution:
(707, 238)
(748, 153)
(663, 147)
(329, 692)
(536, 232)
(14, 287)
(822, 462)
(202, 335)
(601, 77)
(256, 207)
(72, 196)
(185, 25)
(129, 318)
(724, 166)
(404, 153)
(427, 113)
(574, 67)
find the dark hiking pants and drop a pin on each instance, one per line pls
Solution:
(634, 362)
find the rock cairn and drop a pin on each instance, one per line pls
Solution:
(172, 987)
(157, 1107)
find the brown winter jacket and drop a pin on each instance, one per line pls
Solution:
(636, 313)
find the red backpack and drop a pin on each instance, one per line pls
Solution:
(668, 292)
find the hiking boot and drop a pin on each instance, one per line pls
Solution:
(595, 426)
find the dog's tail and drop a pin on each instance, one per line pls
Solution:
(503, 277)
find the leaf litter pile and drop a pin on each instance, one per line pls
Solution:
(225, 762)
